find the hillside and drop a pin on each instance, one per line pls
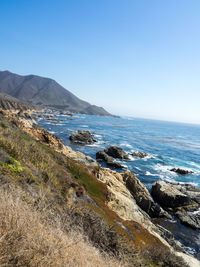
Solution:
(56, 211)
(10, 103)
(45, 92)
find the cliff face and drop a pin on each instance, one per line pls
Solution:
(45, 92)
(78, 193)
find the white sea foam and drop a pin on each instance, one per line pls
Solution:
(164, 168)
(150, 156)
(171, 180)
(96, 144)
(194, 212)
(190, 250)
(125, 166)
(98, 135)
(60, 123)
(84, 126)
(52, 132)
(164, 172)
(194, 164)
(131, 158)
(139, 169)
(150, 174)
(48, 122)
(126, 145)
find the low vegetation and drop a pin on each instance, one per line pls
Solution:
(53, 212)
(27, 239)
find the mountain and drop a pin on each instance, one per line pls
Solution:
(45, 92)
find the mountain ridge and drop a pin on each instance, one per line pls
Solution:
(45, 92)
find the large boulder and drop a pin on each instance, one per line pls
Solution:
(82, 137)
(142, 196)
(110, 162)
(169, 196)
(102, 156)
(116, 152)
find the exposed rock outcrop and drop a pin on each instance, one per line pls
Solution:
(168, 196)
(55, 142)
(120, 199)
(82, 137)
(110, 162)
(116, 152)
(142, 196)
(183, 199)
(109, 156)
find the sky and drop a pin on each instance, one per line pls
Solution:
(138, 58)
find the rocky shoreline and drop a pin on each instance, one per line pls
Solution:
(128, 197)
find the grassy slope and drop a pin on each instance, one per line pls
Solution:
(65, 191)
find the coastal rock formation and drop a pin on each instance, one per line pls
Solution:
(167, 195)
(116, 152)
(55, 142)
(139, 154)
(82, 137)
(110, 162)
(183, 199)
(142, 196)
(181, 171)
(120, 199)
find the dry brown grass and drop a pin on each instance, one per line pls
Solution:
(26, 239)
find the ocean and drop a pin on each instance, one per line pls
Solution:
(168, 144)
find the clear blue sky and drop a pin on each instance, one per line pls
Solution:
(133, 57)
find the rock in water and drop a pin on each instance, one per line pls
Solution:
(116, 152)
(139, 154)
(82, 137)
(168, 196)
(110, 162)
(181, 171)
(102, 156)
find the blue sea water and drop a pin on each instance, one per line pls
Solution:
(168, 144)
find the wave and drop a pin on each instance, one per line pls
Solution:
(98, 135)
(125, 166)
(194, 212)
(150, 174)
(139, 169)
(131, 158)
(58, 123)
(96, 144)
(125, 145)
